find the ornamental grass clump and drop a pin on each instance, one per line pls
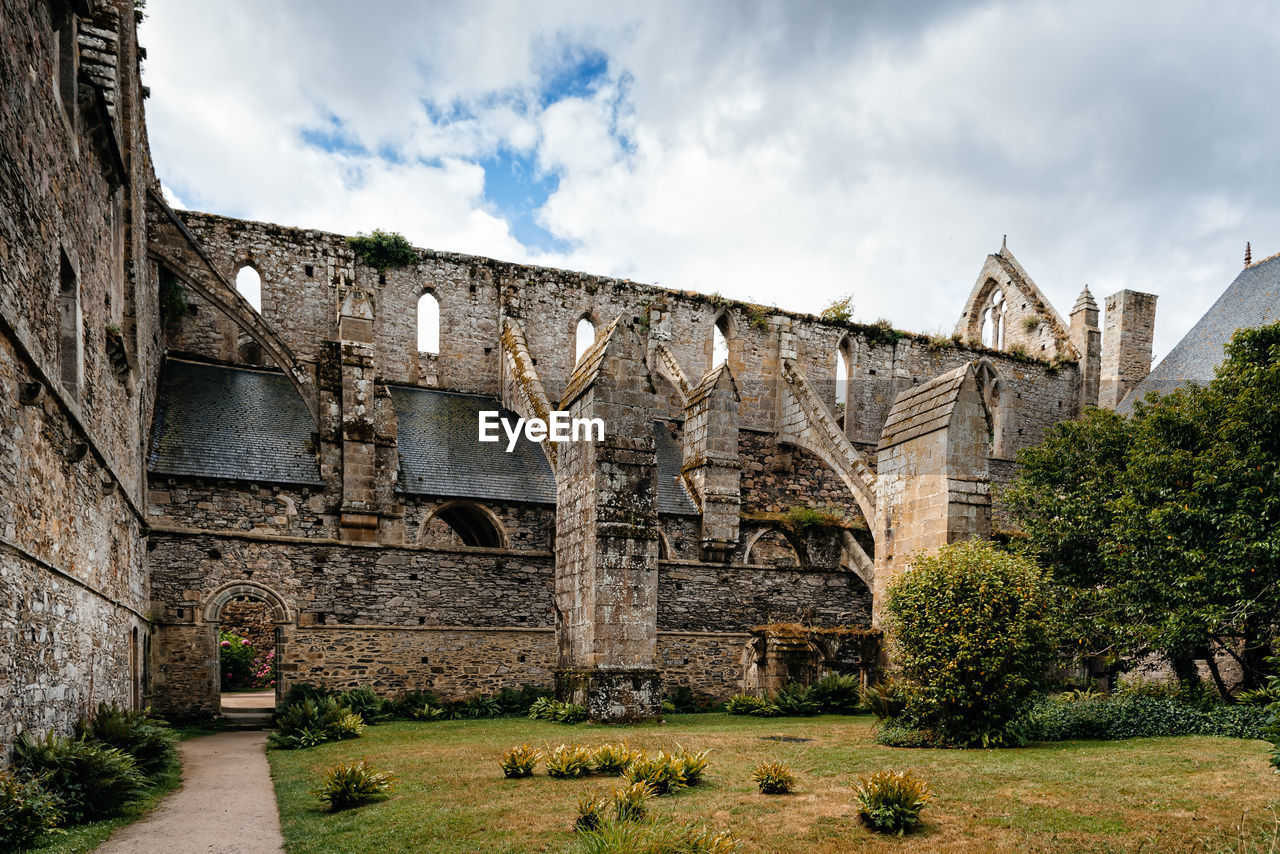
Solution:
(635, 837)
(559, 711)
(520, 761)
(774, 778)
(625, 804)
(663, 773)
(610, 759)
(970, 627)
(569, 761)
(890, 802)
(352, 784)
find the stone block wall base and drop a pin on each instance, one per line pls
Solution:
(613, 696)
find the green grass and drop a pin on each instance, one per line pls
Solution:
(1168, 794)
(86, 837)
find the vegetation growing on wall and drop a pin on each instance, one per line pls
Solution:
(382, 250)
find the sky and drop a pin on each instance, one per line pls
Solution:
(788, 153)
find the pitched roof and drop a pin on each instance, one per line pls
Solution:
(672, 496)
(440, 454)
(1253, 299)
(237, 423)
(924, 408)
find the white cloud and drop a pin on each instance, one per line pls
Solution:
(788, 152)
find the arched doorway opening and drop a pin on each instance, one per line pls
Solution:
(247, 624)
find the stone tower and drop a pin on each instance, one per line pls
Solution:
(1086, 337)
(1126, 344)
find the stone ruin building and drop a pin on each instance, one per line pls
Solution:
(166, 448)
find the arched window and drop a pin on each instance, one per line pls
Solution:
(70, 332)
(586, 336)
(995, 397)
(249, 284)
(462, 523)
(993, 321)
(720, 341)
(428, 324)
(843, 366)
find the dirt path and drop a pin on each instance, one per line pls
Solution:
(226, 804)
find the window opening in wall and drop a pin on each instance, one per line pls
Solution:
(428, 324)
(720, 342)
(993, 321)
(249, 284)
(70, 334)
(586, 336)
(64, 60)
(842, 377)
(462, 525)
(310, 270)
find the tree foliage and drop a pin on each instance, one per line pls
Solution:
(1168, 523)
(970, 627)
(382, 249)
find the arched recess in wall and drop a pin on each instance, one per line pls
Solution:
(281, 615)
(584, 336)
(995, 394)
(249, 285)
(428, 323)
(664, 546)
(463, 523)
(770, 547)
(723, 341)
(993, 316)
(844, 370)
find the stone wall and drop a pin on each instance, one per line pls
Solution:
(228, 505)
(79, 350)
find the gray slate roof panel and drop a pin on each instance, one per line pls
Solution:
(219, 422)
(1253, 299)
(672, 496)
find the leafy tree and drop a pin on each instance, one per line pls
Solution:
(970, 627)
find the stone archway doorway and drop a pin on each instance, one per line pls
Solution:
(229, 605)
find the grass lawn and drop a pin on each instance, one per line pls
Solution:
(1159, 795)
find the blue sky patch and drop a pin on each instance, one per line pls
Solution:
(333, 136)
(513, 185)
(577, 74)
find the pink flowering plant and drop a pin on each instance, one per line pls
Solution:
(239, 662)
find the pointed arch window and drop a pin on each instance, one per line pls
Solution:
(844, 366)
(995, 396)
(428, 324)
(993, 320)
(249, 284)
(585, 336)
(720, 335)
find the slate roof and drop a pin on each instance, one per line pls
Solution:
(924, 408)
(1253, 299)
(440, 454)
(672, 495)
(234, 423)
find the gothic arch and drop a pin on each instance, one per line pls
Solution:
(476, 525)
(995, 394)
(280, 611)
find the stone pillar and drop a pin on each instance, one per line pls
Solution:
(1126, 344)
(606, 583)
(711, 466)
(1086, 337)
(359, 510)
(933, 484)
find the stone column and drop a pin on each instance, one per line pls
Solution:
(1126, 346)
(711, 466)
(606, 584)
(359, 510)
(1086, 337)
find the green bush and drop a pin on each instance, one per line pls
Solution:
(27, 809)
(691, 766)
(611, 759)
(684, 702)
(745, 704)
(632, 837)
(837, 694)
(774, 778)
(517, 701)
(382, 249)
(236, 660)
(569, 761)
(885, 699)
(550, 709)
(427, 713)
(364, 702)
(475, 708)
(1272, 730)
(625, 804)
(305, 691)
(1137, 716)
(351, 784)
(520, 761)
(970, 630)
(91, 780)
(892, 733)
(149, 741)
(311, 722)
(889, 802)
(794, 700)
(663, 773)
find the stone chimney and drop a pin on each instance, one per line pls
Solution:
(1086, 337)
(1126, 344)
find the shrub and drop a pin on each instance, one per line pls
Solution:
(549, 709)
(364, 702)
(663, 773)
(895, 734)
(1137, 716)
(745, 704)
(382, 249)
(147, 740)
(311, 722)
(889, 802)
(520, 761)
(610, 759)
(840, 311)
(970, 628)
(476, 708)
(569, 761)
(774, 778)
(427, 713)
(794, 700)
(351, 784)
(305, 691)
(27, 809)
(884, 699)
(625, 804)
(631, 837)
(691, 765)
(683, 701)
(516, 702)
(91, 780)
(837, 693)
